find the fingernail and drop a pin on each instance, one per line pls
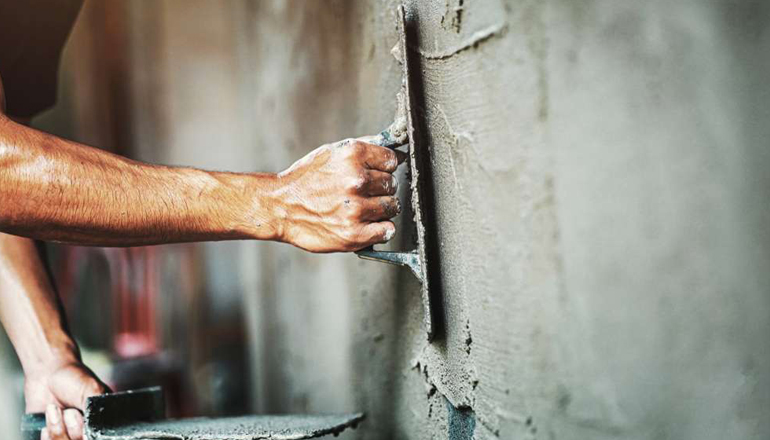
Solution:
(52, 414)
(70, 419)
(45, 435)
(389, 234)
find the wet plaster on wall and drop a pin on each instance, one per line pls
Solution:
(515, 124)
(484, 226)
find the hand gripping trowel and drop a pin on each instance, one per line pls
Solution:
(140, 415)
(394, 136)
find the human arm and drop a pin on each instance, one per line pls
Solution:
(53, 189)
(338, 198)
(33, 319)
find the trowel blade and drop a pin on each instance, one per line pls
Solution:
(404, 126)
(417, 160)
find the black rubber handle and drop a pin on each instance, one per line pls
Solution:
(32, 425)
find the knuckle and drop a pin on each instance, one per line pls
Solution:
(392, 160)
(358, 181)
(346, 148)
(350, 222)
(390, 185)
(355, 215)
(355, 147)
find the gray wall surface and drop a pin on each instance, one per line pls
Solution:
(601, 174)
(602, 206)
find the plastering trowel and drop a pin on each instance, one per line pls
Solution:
(405, 128)
(140, 415)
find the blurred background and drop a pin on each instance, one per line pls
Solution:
(600, 170)
(226, 328)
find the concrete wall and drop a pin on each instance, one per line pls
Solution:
(601, 176)
(601, 184)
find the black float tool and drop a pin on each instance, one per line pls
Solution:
(141, 415)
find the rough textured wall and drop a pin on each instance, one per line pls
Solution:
(601, 190)
(601, 175)
(601, 187)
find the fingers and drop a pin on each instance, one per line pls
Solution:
(54, 425)
(376, 233)
(73, 421)
(378, 183)
(379, 158)
(374, 209)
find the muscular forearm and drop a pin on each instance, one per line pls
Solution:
(54, 376)
(57, 190)
(29, 309)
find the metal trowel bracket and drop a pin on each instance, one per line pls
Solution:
(408, 259)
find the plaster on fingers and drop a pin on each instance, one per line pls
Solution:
(380, 232)
(380, 208)
(380, 183)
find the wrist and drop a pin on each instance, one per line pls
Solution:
(50, 357)
(254, 210)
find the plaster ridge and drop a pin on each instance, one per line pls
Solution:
(477, 38)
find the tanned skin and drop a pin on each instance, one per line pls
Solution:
(55, 379)
(340, 197)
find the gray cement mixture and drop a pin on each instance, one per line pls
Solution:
(281, 427)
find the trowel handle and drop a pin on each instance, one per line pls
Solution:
(32, 425)
(409, 259)
(386, 139)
